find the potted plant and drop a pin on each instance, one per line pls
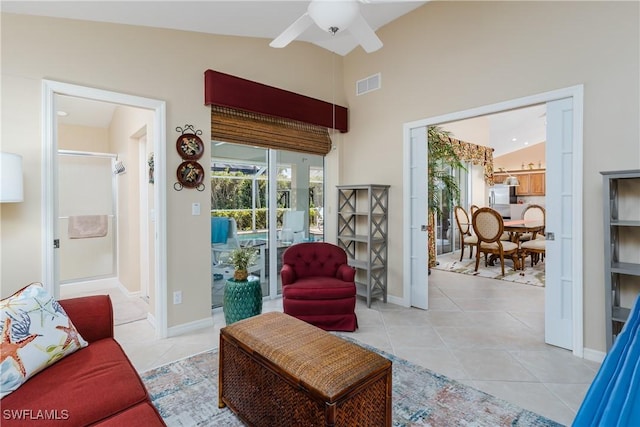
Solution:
(241, 259)
(441, 184)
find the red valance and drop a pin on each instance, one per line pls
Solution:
(230, 91)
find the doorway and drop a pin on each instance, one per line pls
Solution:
(569, 206)
(272, 199)
(52, 91)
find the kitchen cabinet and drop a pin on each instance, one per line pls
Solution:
(499, 178)
(532, 183)
(537, 184)
(523, 188)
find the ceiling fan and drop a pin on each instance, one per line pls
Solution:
(333, 16)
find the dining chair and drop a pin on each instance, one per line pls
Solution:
(473, 209)
(489, 227)
(464, 227)
(533, 213)
(535, 248)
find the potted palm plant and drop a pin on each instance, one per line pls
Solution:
(441, 184)
(241, 259)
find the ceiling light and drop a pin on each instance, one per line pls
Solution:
(332, 15)
(514, 139)
(526, 143)
(63, 113)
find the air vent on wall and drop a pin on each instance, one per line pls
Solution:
(368, 84)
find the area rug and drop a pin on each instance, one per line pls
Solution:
(530, 276)
(186, 394)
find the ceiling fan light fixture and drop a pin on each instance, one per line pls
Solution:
(333, 15)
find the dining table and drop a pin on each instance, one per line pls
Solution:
(517, 227)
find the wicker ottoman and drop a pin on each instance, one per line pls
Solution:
(276, 370)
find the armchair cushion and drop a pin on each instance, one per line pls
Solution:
(315, 288)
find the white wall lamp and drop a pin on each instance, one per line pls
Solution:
(10, 178)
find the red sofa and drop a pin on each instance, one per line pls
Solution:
(318, 286)
(96, 385)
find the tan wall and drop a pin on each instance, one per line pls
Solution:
(83, 138)
(515, 160)
(453, 56)
(160, 64)
(126, 126)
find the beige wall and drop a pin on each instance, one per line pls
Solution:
(83, 138)
(160, 64)
(513, 161)
(443, 57)
(127, 125)
(453, 56)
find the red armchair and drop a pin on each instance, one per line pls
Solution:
(318, 286)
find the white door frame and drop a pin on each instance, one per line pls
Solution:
(143, 179)
(49, 184)
(576, 93)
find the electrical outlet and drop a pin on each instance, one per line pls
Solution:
(177, 297)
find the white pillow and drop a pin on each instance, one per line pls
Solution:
(36, 333)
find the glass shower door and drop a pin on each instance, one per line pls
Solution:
(86, 223)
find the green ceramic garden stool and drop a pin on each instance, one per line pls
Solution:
(242, 299)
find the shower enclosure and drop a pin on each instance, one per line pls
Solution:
(87, 221)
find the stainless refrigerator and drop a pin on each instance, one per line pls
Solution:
(500, 197)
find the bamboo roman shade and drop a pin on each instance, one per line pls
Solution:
(261, 130)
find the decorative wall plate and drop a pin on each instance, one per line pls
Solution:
(190, 146)
(190, 174)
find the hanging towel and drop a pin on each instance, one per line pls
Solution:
(86, 226)
(219, 229)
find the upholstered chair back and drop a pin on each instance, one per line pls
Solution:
(314, 259)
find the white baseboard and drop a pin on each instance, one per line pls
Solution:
(151, 319)
(92, 285)
(395, 300)
(189, 327)
(97, 285)
(594, 355)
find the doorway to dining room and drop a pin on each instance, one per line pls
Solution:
(563, 291)
(518, 139)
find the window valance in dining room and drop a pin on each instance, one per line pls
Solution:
(477, 155)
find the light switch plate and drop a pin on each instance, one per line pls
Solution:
(195, 209)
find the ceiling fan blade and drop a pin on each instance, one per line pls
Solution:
(365, 35)
(293, 31)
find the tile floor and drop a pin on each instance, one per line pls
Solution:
(485, 333)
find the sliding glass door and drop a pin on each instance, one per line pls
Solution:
(447, 234)
(265, 199)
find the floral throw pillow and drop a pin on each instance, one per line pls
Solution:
(36, 333)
